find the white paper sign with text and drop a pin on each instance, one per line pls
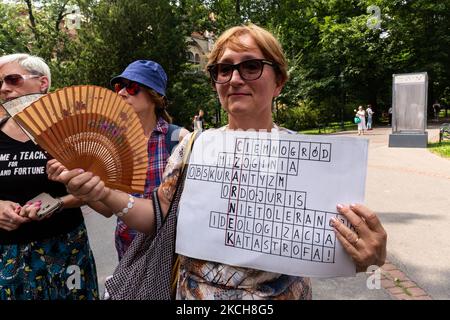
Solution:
(265, 200)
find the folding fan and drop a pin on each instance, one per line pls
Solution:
(14, 106)
(92, 128)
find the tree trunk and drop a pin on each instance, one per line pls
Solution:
(32, 20)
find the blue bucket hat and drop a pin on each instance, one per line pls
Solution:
(147, 73)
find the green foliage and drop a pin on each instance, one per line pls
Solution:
(119, 32)
(333, 52)
(13, 36)
(299, 117)
(235, 12)
(192, 91)
(336, 61)
(112, 35)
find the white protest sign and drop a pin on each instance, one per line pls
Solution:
(265, 200)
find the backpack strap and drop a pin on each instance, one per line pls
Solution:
(172, 137)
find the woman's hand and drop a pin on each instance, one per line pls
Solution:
(85, 186)
(81, 184)
(367, 243)
(54, 170)
(9, 216)
(30, 210)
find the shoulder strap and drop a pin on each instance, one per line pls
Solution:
(188, 150)
(172, 137)
(179, 185)
(173, 208)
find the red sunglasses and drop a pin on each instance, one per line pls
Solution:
(16, 80)
(132, 87)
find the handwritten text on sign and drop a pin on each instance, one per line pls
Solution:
(265, 200)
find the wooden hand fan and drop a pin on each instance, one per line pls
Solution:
(92, 128)
(14, 106)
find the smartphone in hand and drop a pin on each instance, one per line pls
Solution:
(48, 204)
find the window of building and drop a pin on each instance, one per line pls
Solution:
(190, 56)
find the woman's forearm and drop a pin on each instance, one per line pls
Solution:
(140, 217)
(100, 208)
(69, 201)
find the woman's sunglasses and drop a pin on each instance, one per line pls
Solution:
(131, 87)
(249, 70)
(16, 80)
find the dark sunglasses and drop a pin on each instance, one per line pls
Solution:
(16, 80)
(131, 87)
(248, 70)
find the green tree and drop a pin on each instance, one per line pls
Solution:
(13, 36)
(337, 60)
(33, 26)
(334, 53)
(115, 33)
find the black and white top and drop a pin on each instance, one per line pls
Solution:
(22, 177)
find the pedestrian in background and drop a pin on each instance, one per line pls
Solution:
(361, 114)
(436, 110)
(370, 113)
(390, 116)
(199, 120)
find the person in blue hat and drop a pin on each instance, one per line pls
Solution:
(143, 85)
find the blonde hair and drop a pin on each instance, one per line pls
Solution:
(266, 42)
(32, 64)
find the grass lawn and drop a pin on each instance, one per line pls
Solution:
(331, 128)
(442, 149)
